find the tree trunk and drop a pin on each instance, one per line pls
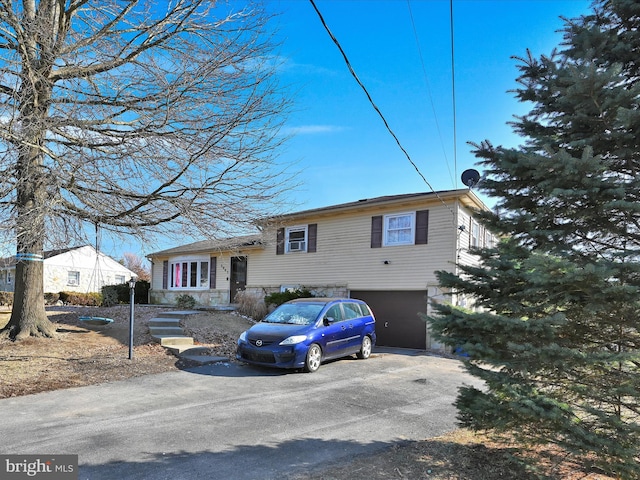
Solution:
(28, 316)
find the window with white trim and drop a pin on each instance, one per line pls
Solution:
(296, 239)
(189, 273)
(489, 239)
(73, 278)
(120, 279)
(5, 276)
(475, 234)
(399, 229)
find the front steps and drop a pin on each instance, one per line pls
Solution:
(166, 329)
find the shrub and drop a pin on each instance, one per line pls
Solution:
(6, 298)
(109, 296)
(51, 298)
(278, 298)
(185, 301)
(142, 291)
(91, 299)
(115, 294)
(250, 304)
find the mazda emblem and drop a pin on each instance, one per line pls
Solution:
(258, 343)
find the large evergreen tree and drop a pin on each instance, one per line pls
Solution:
(556, 335)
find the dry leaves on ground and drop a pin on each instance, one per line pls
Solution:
(82, 355)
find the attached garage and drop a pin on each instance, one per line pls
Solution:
(398, 323)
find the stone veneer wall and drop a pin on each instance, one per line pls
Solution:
(208, 298)
(317, 291)
(211, 298)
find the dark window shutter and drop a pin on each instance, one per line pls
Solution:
(280, 242)
(422, 227)
(165, 274)
(376, 231)
(312, 231)
(213, 265)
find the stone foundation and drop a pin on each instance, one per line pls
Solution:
(210, 298)
(207, 298)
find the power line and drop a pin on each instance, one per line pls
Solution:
(375, 107)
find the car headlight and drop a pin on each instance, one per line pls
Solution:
(293, 340)
(243, 337)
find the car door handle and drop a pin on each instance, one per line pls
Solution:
(343, 327)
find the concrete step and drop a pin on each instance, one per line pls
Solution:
(196, 354)
(178, 313)
(171, 331)
(204, 359)
(172, 340)
(164, 322)
(188, 349)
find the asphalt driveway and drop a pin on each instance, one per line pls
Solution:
(229, 421)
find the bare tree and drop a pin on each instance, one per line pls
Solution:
(137, 117)
(136, 264)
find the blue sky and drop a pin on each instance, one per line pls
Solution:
(401, 51)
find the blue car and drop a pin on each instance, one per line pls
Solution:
(305, 332)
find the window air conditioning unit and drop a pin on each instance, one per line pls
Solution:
(296, 246)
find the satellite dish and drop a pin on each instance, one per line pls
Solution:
(470, 177)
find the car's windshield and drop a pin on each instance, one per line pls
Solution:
(295, 313)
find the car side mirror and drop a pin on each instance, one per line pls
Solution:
(327, 321)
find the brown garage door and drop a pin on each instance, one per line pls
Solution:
(397, 320)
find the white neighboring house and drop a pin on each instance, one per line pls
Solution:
(80, 269)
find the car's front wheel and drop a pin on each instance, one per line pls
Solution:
(365, 348)
(314, 358)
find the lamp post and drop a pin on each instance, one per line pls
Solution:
(132, 292)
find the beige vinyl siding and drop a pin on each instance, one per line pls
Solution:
(344, 255)
(156, 273)
(344, 260)
(464, 239)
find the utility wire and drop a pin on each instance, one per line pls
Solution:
(375, 107)
(426, 80)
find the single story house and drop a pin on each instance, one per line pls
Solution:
(383, 250)
(80, 269)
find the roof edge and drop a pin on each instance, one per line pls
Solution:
(472, 200)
